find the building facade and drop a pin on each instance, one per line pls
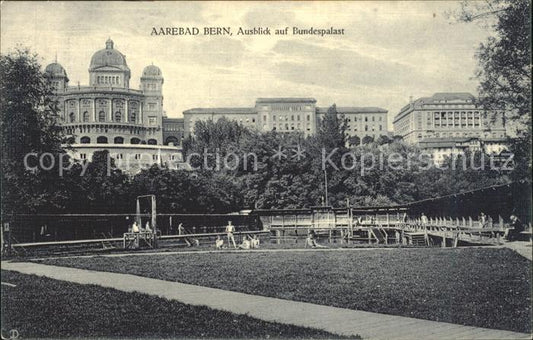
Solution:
(173, 131)
(287, 115)
(108, 114)
(447, 124)
(447, 115)
(441, 148)
(362, 121)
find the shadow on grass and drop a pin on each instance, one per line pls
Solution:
(45, 308)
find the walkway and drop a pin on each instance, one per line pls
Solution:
(335, 320)
(523, 248)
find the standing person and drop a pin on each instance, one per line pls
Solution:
(483, 220)
(181, 231)
(230, 229)
(135, 227)
(424, 219)
(147, 228)
(516, 228)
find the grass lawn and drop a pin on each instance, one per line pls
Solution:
(41, 307)
(471, 286)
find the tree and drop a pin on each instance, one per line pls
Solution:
(367, 140)
(504, 71)
(332, 130)
(28, 125)
(210, 137)
(382, 139)
(354, 141)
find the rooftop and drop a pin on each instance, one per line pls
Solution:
(440, 98)
(222, 110)
(353, 109)
(172, 120)
(286, 100)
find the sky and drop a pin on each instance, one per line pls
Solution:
(389, 52)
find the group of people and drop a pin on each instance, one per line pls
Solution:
(248, 242)
(136, 229)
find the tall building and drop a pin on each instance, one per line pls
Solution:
(449, 123)
(108, 114)
(287, 115)
(447, 115)
(362, 121)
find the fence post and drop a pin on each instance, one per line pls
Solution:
(470, 221)
(455, 240)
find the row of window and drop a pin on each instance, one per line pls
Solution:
(456, 114)
(460, 134)
(286, 118)
(108, 80)
(152, 87)
(450, 105)
(285, 107)
(102, 117)
(366, 128)
(116, 140)
(456, 124)
(366, 119)
(137, 156)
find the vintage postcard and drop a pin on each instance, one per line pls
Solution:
(277, 170)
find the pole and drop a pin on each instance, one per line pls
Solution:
(326, 186)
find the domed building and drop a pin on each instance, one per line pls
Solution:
(108, 114)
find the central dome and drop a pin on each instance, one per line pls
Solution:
(108, 57)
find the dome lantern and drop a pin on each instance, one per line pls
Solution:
(109, 44)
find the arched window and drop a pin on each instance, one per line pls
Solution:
(101, 140)
(72, 117)
(118, 140)
(85, 140)
(172, 140)
(85, 116)
(152, 142)
(135, 140)
(118, 116)
(101, 116)
(133, 117)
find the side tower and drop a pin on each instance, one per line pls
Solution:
(152, 88)
(57, 76)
